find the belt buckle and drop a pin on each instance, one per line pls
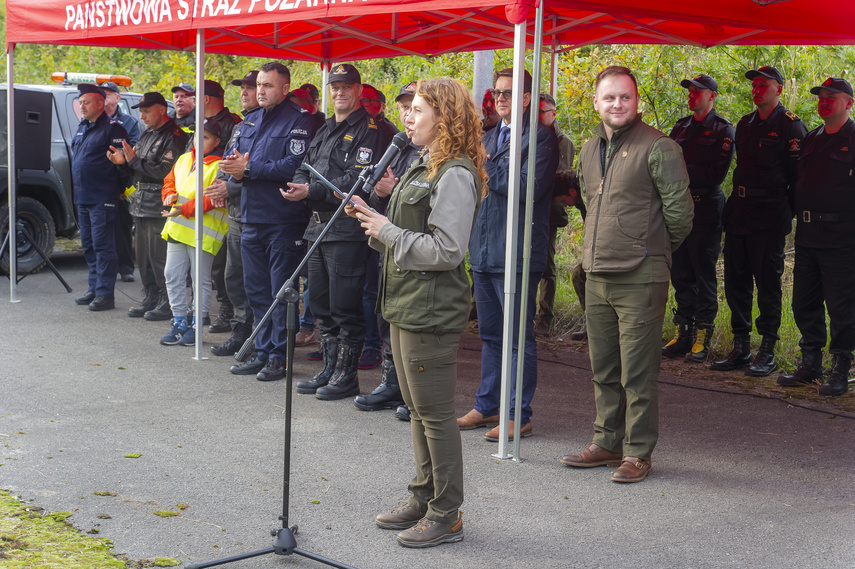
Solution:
(806, 216)
(741, 191)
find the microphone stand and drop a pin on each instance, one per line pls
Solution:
(285, 542)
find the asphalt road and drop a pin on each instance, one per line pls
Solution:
(737, 481)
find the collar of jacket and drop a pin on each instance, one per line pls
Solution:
(600, 130)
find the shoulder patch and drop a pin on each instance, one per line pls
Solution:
(168, 156)
(363, 156)
(297, 146)
(795, 145)
(727, 144)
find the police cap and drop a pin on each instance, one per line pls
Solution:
(214, 89)
(767, 72)
(701, 82)
(407, 90)
(346, 73)
(150, 99)
(251, 78)
(111, 86)
(186, 87)
(87, 88)
(835, 85)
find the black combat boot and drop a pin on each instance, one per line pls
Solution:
(149, 302)
(387, 395)
(233, 345)
(162, 311)
(764, 361)
(222, 323)
(681, 343)
(329, 351)
(701, 348)
(739, 356)
(809, 370)
(838, 379)
(345, 381)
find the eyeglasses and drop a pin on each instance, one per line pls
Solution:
(507, 94)
(546, 111)
(367, 101)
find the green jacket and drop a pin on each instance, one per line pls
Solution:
(640, 205)
(411, 295)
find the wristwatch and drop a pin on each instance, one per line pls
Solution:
(246, 171)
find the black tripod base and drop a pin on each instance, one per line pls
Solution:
(284, 544)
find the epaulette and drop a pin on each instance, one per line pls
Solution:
(792, 116)
(371, 123)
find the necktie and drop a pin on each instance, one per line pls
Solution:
(504, 134)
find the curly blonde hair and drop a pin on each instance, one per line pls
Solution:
(458, 125)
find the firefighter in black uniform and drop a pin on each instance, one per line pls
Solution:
(825, 241)
(149, 162)
(183, 105)
(757, 217)
(387, 395)
(707, 142)
(348, 142)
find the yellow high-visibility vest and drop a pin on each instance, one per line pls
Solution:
(215, 223)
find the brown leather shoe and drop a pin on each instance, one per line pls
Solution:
(474, 419)
(403, 516)
(592, 456)
(428, 533)
(305, 337)
(493, 434)
(580, 335)
(632, 470)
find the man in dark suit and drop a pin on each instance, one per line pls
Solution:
(487, 253)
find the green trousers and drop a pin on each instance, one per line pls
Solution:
(427, 374)
(624, 341)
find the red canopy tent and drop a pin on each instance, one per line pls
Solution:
(346, 30)
(327, 31)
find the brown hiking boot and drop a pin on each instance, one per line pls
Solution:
(428, 533)
(403, 516)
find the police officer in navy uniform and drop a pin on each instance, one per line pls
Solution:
(757, 217)
(97, 186)
(825, 242)
(271, 144)
(149, 162)
(227, 188)
(707, 142)
(124, 221)
(349, 142)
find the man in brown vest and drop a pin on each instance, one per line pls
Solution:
(636, 188)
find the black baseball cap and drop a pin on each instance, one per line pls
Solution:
(251, 78)
(701, 82)
(214, 89)
(835, 85)
(150, 99)
(346, 73)
(213, 127)
(311, 90)
(767, 72)
(407, 90)
(186, 87)
(87, 88)
(111, 86)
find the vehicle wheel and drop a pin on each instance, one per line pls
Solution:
(39, 223)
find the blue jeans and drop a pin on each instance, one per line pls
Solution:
(490, 299)
(307, 320)
(270, 257)
(97, 236)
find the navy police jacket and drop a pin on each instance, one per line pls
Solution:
(276, 139)
(487, 244)
(96, 179)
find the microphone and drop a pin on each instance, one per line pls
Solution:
(398, 143)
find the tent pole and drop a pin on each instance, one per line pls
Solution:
(199, 143)
(12, 195)
(511, 238)
(325, 92)
(482, 75)
(534, 119)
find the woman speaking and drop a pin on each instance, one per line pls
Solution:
(424, 295)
